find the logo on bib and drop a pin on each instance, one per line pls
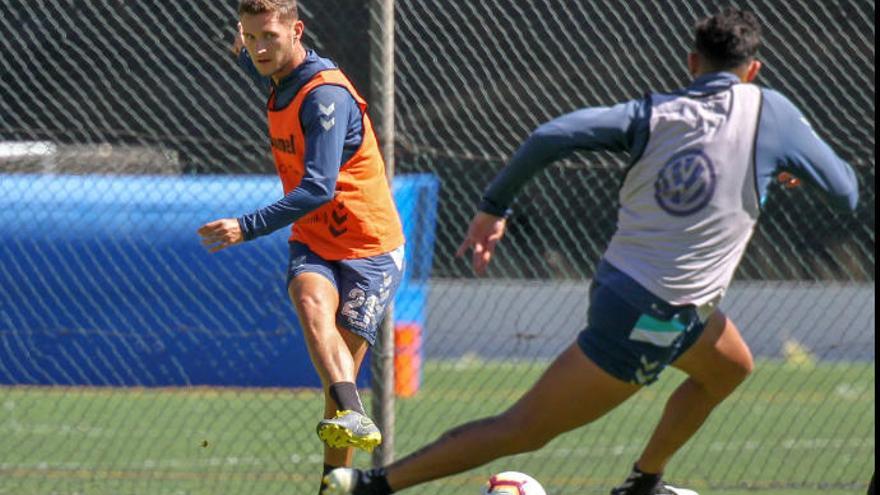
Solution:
(686, 183)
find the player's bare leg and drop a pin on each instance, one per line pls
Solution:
(571, 393)
(716, 364)
(337, 354)
(316, 301)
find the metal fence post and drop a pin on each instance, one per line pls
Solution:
(382, 113)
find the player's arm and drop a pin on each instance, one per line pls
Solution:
(623, 127)
(787, 143)
(325, 134)
(324, 116)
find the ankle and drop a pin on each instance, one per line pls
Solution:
(346, 396)
(637, 468)
(378, 482)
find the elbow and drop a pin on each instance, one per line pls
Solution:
(851, 198)
(323, 196)
(852, 201)
(319, 193)
(318, 200)
(846, 202)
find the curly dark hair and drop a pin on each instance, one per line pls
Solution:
(728, 39)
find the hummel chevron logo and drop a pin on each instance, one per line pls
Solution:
(647, 372)
(339, 216)
(648, 366)
(337, 232)
(328, 110)
(328, 124)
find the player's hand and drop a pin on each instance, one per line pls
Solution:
(483, 235)
(788, 181)
(237, 42)
(220, 234)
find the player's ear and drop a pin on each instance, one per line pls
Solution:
(693, 62)
(298, 29)
(752, 71)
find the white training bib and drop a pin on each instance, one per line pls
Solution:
(688, 206)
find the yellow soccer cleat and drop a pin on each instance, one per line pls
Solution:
(350, 429)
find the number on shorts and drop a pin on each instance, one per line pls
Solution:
(356, 299)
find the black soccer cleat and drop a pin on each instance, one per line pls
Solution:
(348, 481)
(639, 483)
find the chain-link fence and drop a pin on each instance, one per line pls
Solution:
(126, 124)
(473, 80)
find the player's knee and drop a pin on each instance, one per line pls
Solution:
(532, 441)
(730, 363)
(521, 434)
(742, 369)
(742, 366)
(309, 306)
(733, 374)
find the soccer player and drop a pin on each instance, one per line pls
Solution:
(702, 159)
(346, 247)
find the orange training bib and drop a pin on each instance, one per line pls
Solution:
(361, 220)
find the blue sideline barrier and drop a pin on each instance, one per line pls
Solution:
(103, 282)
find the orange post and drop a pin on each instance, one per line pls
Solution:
(407, 359)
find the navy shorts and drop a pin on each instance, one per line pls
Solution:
(636, 345)
(365, 285)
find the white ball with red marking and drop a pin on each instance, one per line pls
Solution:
(512, 483)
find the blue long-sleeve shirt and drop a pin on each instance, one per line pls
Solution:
(785, 142)
(325, 149)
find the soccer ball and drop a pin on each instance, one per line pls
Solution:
(512, 483)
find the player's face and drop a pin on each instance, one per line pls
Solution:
(271, 42)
